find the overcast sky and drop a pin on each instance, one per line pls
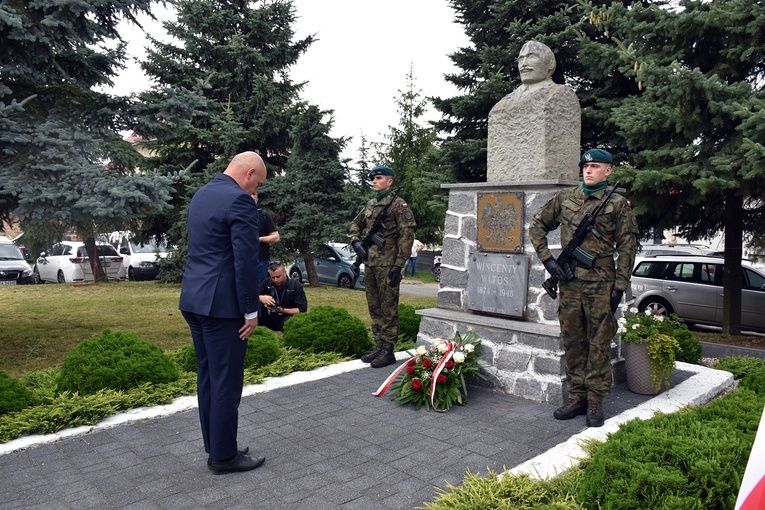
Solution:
(360, 59)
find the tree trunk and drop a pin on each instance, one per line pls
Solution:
(732, 277)
(310, 267)
(99, 275)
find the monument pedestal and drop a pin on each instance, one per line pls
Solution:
(522, 356)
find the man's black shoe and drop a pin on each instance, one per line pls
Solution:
(243, 452)
(594, 414)
(571, 408)
(385, 358)
(236, 465)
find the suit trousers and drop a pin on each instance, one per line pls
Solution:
(220, 378)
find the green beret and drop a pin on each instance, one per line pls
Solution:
(596, 156)
(380, 170)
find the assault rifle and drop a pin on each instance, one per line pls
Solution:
(573, 252)
(373, 238)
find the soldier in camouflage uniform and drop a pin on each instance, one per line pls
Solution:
(383, 266)
(588, 301)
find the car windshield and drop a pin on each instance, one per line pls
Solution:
(345, 251)
(149, 247)
(10, 252)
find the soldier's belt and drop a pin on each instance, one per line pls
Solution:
(599, 262)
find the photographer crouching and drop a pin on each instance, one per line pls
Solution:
(280, 298)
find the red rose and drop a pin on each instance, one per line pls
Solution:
(427, 363)
(411, 362)
(441, 379)
(416, 384)
(449, 364)
(410, 370)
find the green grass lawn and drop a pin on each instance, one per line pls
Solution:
(39, 324)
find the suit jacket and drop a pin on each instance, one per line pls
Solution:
(221, 275)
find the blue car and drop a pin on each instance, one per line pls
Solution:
(333, 266)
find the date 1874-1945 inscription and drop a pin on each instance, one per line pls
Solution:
(497, 284)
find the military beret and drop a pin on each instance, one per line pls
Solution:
(596, 156)
(380, 170)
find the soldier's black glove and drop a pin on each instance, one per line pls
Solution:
(555, 270)
(358, 247)
(394, 276)
(616, 298)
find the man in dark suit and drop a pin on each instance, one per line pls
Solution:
(219, 300)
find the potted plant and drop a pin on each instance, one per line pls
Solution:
(650, 348)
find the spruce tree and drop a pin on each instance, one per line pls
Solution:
(311, 202)
(221, 87)
(695, 127)
(65, 166)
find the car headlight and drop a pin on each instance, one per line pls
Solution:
(26, 272)
(146, 264)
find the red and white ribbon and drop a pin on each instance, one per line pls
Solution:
(387, 383)
(751, 495)
(450, 347)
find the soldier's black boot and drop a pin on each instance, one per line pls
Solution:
(594, 414)
(385, 358)
(368, 357)
(571, 408)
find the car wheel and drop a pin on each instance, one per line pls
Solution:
(60, 277)
(295, 274)
(131, 274)
(36, 276)
(657, 306)
(344, 281)
(437, 273)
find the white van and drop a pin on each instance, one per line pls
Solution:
(139, 259)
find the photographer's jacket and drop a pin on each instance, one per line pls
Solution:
(398, 232)
(616, 223)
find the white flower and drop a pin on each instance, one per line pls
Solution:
(458, 357)
(422, 350)
(437, 341)
(635, 326)
(442, 348)
(659, 318)
(633, 310)
(468, 348)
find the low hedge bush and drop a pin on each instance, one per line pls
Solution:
(327, 329)
(114, 360)
(408, 325)
(13, 396)
(262, 349)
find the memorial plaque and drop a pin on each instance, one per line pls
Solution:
(500, 222)
(498, 284)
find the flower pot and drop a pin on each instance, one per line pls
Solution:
(637, 364)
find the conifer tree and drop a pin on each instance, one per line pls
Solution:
(222, 87)
(64, 163)
(311, 202)
(696, 126)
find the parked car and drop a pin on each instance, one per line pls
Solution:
(14, 270)
(692, 288)
(68, 262)
(333, 266)
(654, 250)
(140, 259)
(437, 267)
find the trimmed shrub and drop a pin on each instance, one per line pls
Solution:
(755, 380)
(740, 366)
(408, 324)
(114, 360)
(691, 460)
(690, 348)
(327, 329)
(262, 349)
(13, 396)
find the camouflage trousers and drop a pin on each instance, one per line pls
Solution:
(587, 328)
(382, 300)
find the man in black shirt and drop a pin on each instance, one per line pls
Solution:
(280, 298)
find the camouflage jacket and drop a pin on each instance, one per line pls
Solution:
(616, 223)
(398, 232)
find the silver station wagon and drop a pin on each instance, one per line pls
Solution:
(692, 288)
